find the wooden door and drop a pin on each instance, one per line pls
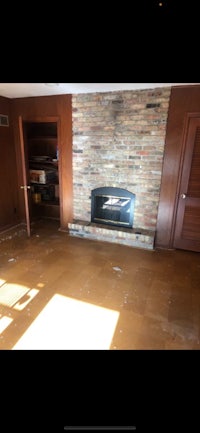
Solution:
(45, 108)
(24, 187)
(187, 224)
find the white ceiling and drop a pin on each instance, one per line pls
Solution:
(20, 90)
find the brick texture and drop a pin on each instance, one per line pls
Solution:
(118, 141)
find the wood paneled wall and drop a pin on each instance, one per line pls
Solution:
(9, 214)
(183, 100)
(49, 106)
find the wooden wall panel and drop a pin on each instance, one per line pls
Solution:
(183, 99)
(35, 108)
(8, 173)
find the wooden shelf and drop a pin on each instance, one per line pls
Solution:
(43, 148)
(47, 203)
(42, 138)
(42, 163)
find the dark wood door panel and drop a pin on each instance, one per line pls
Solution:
(8, 171)
(187, 225)
(194, 179)
(191, 222)
(184, 101)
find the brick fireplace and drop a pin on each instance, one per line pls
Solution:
(118, 142)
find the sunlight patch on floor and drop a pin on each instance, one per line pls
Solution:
(10, 293)
(2, 282)
(16, 296)
(69, 324)
(5, 321)
(22, 303)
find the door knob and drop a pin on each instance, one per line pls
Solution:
(183, 196)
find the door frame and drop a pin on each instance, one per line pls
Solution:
(38, 119)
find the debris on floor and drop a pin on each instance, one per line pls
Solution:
(126, 299)
(117, 268)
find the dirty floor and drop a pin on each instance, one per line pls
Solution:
(70, 293)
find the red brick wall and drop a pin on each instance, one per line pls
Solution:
(118, 140)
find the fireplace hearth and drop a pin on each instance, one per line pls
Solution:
(112, 217)
(112, 206)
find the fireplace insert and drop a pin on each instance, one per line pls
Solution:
(113, 206)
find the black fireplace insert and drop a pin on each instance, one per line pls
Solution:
(113, 206)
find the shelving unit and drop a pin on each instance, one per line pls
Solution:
(42, 146)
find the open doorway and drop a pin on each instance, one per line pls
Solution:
(40, 161)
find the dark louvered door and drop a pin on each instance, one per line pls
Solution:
(187, 227)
